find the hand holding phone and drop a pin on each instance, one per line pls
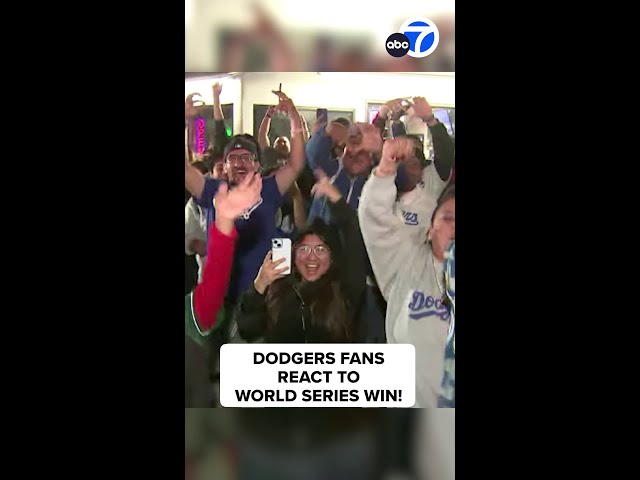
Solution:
(277, 264)
(406, 103)
(281, 248)
(322, 115)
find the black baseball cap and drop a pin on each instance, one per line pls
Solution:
(243, 142)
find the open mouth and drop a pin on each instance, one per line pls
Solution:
(312, 268)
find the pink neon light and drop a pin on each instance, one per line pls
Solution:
(200, 135)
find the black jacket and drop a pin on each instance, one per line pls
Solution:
(295, 323)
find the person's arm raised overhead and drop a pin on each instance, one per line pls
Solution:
(265, 125)
(217, 109)
(193, 178)
(393, 107)
(286, 175)
(386, 241)
(221, 137)
(443, 146)
(319, 148)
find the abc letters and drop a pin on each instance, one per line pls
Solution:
(394, 45)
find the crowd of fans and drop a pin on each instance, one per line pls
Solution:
(372, 225)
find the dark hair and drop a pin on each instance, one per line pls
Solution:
(342, 121)
(212, 156)
(200, 165)
(329, 307)
(448, 193)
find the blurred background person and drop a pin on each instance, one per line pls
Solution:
(308, 444)
(281, 35)
(320, 444)
(281, 143)
(348, 168)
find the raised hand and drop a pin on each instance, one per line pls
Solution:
(370, 138)
(324, 187)
(192, 108)
(269, 273)
(217, 89)
(230, 204)
(285, 105)
(422, 109)
(395, 107)
(394, 151)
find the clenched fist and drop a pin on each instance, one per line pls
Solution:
(394, 150)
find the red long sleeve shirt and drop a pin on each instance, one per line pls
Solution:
(208, 296)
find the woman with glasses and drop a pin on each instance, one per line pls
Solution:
(317, 302)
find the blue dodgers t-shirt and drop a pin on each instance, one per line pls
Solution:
(254, 233)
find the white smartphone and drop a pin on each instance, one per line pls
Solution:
(281, 248)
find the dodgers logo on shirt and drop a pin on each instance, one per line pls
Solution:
(423, 36)
(410, 218)
(423, 306)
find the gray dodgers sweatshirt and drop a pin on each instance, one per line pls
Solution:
(406, 274)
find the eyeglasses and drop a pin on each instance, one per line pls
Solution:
(244, 158)
(319, 250)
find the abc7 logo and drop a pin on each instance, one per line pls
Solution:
(419, 33)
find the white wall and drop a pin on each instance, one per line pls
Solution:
(329, 90)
